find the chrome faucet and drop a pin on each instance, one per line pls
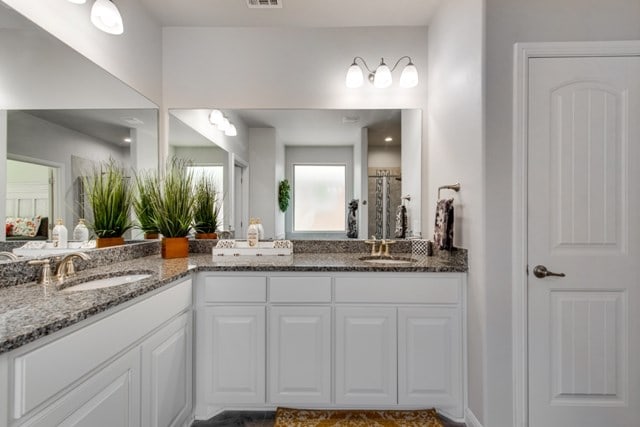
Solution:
(9, 255)
(65, 267)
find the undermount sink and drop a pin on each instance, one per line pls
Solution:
(106, 282)
(387, 260)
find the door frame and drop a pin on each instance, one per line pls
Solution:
(522, 53)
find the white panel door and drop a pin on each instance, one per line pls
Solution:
(235, 349)
(166, 375)
(110, 397)
(430, 358)
(366, 350)
(300, 355)
(584, 221)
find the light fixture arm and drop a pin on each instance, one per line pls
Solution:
(363, 63)
(398, 62)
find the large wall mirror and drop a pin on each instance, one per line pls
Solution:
(59, 115)
(329, 157)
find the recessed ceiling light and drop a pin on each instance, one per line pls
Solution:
(388, 139)
(127, 140)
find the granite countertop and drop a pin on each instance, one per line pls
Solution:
(29, 311)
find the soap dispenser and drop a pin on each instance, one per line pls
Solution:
(60, 235)
(81, 232)
(253, 234)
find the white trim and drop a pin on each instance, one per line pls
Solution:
(522, 53)
(470, 419)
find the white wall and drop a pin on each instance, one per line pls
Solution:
(510, 21)
(133, 57)
(412, 172)
(39, 139)
(455, 154)
(384, 157)
(263, 183)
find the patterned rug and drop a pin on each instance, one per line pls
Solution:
(286, 417)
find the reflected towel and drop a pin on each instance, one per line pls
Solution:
(401, 222)
(443, 230)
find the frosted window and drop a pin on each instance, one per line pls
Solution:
(217, 172)
(319, 198)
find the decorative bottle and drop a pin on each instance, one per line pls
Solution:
(260, 229)
(60, 235)
(81, 232)
(253, 235)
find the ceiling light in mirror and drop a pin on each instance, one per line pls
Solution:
(106, 16)
(224, 125)
(388, 139)
(231, 130)
(216, 117)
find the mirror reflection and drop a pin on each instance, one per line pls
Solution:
(60, 114)
(329, 157)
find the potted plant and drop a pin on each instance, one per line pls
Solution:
(110, 197)
(145, 184)
(171, 202)
(206, 209)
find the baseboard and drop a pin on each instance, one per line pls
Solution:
(470, 419)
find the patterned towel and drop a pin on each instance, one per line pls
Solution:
(443, 230)
(401, 222)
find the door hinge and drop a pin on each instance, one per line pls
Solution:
(526, 269)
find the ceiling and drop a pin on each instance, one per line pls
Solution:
(294, 13)
(110, 126)
(302, 127)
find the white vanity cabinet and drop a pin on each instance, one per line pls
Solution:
(130, 367)
(334, 340)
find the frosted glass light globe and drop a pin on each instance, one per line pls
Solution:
(354, 76)
(409, 76)
(106, 16)
(382, 78)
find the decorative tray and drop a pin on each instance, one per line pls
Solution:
(241, 248)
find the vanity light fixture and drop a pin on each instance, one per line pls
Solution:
(381, 76)
(106, 16)
(217, 118)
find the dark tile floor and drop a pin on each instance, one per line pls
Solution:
(261, 419)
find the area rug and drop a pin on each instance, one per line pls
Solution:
(287, 417)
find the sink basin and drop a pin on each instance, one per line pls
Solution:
(106, 282)
(387, 260)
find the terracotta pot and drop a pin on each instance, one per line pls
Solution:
(105, 242)
(151, 235)
(174, 247)
(206, 235)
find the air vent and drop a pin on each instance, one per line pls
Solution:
(350, 120)
(132, 121)
(264, 4)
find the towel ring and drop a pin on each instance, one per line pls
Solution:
(455, 187)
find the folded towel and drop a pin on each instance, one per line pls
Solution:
(401, 222)
(443, 230)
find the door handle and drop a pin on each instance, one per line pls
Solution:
(540, 271)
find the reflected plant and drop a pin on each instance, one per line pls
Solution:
(110, 197)
(206, 206)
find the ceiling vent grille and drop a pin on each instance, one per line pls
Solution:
(264, 4)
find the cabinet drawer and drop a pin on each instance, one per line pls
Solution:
(235, 289)
(399, 289)
(300, 289)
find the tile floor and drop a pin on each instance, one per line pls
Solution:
(260, 419)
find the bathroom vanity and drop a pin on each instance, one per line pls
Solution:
(315, 330)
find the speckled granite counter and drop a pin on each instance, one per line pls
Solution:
(30, 311)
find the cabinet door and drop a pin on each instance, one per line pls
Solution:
(235, 354)
(300, 355)
(166, 375)
(429, 358)
(110, 397)
(366, 370)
